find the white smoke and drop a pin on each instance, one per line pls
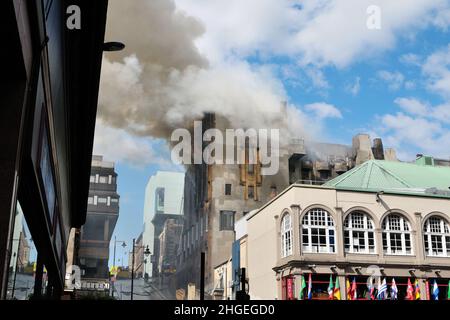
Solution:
(161, 82)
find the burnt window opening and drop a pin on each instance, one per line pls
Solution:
(273, 191)
(251, 192)
(324, 175)
(228, 189)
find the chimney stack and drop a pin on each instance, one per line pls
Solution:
(378, 149)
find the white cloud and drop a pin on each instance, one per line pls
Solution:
(413, 106)
(437, 69)
(394, 80)
(442, 112)
(325, 32)
(120, 146)
(410, 85)
(442, 19)
(317, 77)
(355, 87)
(421, 128)
(411, 135)
(323, 110)
(411, 59)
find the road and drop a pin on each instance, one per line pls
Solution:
(23, 288)
(142, 290)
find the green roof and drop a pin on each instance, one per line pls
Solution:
(395, 177)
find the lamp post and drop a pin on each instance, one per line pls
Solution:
(146, 253)
(145, 268)
(114, 258)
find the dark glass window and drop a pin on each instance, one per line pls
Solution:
(159, 200)
(226, 220)
(228, 189)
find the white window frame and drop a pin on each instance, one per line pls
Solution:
(329, 226)
(368, 227)
(404, 225)
(443, 234)
(286, 236)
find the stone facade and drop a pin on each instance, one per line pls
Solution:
(265, 230)
(218, 195)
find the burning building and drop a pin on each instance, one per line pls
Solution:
(217, 195)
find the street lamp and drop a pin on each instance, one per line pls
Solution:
(145, 270)
(114, 258)
(146, 253)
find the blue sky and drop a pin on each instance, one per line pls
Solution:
(131, 188)
(241, 58)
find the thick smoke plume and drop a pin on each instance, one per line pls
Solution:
(161, 82)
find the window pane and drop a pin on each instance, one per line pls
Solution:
(399, 233)
(435, 239)
(447, 242)
(347, 240)
(226, 220)
(320, 225)
(227, 189)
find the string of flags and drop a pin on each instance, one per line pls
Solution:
(379, 292)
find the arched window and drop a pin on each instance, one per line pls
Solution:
(396, 235)
(359, 233)
(318, 233)
(286, 236)
(437, 237)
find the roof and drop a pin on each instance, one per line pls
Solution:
(395, 177)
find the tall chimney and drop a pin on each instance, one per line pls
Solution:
(377, 149)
